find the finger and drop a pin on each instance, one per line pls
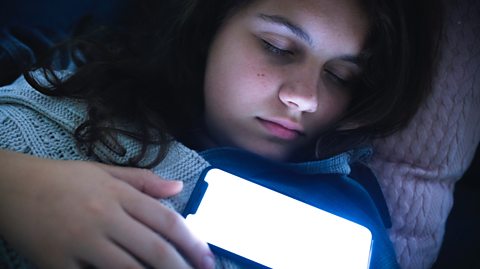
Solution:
(172, 227)
(146, 245)
(144, 180)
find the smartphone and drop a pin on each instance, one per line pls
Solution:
(271, 230)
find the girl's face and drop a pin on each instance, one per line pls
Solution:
(278, 71)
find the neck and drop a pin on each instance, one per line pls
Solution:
(197, 138)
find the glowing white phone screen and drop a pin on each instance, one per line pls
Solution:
(276, 230)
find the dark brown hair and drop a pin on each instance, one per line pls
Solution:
(151, 73)
(399, 62)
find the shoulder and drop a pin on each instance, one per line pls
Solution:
(21, 94)
(35, 123)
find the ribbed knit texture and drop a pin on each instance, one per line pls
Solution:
(418, 167)
(39, 125)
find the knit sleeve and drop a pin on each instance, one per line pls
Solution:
(35, 124)
(29, 124)
(28, 131)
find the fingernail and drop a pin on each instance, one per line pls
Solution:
(208, 262)
(176, 183)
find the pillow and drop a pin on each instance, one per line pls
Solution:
(417, 168)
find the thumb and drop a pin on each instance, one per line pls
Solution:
(144, 180)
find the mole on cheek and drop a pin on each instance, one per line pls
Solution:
(260, 75)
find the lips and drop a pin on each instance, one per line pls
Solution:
(281, 128)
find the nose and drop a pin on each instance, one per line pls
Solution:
(300, 93)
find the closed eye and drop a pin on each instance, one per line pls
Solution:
(336, 78)
(276, 50)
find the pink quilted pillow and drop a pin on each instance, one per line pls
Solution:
(418, 167)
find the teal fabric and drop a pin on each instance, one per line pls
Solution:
(28, 29)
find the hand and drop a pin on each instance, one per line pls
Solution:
(69, 214)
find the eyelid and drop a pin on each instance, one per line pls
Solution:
(345, 78)
(275, 49)
(278, 41)
(337, 78)
(346, 71)
(273, 39)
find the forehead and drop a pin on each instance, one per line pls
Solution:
(344, 21)
(351, 8)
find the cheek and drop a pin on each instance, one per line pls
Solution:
(243, 82)
(330, 111)
(236, 71)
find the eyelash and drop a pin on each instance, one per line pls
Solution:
(276, 50)
(337, 79)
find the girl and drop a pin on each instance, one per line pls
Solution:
(292, 81)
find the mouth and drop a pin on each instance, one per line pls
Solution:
(283, 129)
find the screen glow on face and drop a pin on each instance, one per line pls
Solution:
(275, 230)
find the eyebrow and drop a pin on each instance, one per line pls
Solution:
(295, 29)
(299, 32)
